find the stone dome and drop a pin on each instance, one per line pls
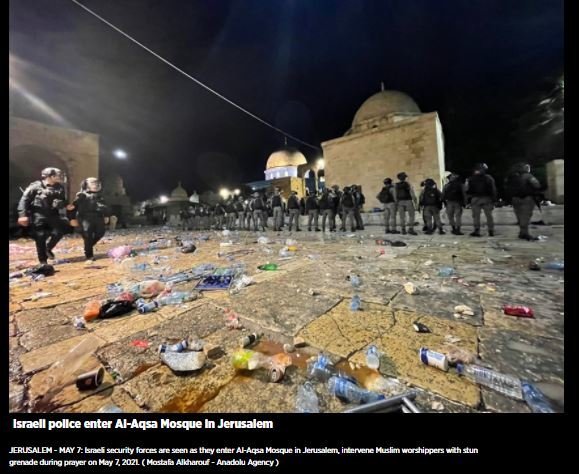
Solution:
(179, 193)
(285, 158)
(385, 103)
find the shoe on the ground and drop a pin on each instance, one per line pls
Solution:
(403, 232)
(50, 254)
(318, 230)
(429, 232)
(394, 231)
(476, 233)
(441, 232)
(412, 232)
(491, 233)
(458, 232)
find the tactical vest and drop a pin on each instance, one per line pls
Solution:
(403, 191)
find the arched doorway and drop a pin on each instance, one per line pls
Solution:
(26, 163)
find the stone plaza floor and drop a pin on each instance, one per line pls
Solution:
(308, 297)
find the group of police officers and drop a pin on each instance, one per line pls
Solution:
(41, 204)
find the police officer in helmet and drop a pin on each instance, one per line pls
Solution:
(482, 192)
(39, 208)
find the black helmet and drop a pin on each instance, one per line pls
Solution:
(401, 176)
(481, 167)
(347, 189)
(47, 172)
(452, 176)
(521, 168)
(387, 181)
(429, 183)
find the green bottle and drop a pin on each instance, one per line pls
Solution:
(268, 267)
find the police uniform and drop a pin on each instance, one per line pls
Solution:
(482, 191)
(293, 206)
(348, 203)
(405, 202)
(327, 211)
(313, 212)
(41, 203)
(431, 202)
(277, 206)
(523, 190)
(386, 197)
(454, 197)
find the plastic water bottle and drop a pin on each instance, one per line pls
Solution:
(148, 307)
(536, 400)
(355, 281)
(322, 370)
(177, 297)
(505, 384)
(373, 358)
(356, 304)
(350, 392)
(445, 271)
(307, 399)
(554, 266)
(110, 408)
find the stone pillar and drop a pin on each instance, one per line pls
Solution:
(555, 181)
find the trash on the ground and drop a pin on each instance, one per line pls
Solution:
(42, 269)
(263, 240)
(147, 288)
(195, 344)
(502, 383)
(215, 282)
(110, 408)
(245, 359)
(354, 280)
(248, 340)
(428, 263)
(347, 391)
(432, 358)
(457, 355)
(299, 341)
(542, 237)
(37, 296)
(79, 322)
(356, 303)
(307, 399)
(398, 243)
(487, 260)
(232, 321)
(312, 256)
(120, 252)
(276, 373)
(445, 271)
(184, 361)
(92, 310)
(212, 351)
(373, 358)
(519, 311)
(410, 288)
(463, 310)
(536, 400)
(188, 248)
(534, 266)
(288, 348)
(140, 343)
(554, 266)
(291, 242)
(241, 282)
(90, 380)
(419, 327)
(312, 292)
(178, 347)
(437, 406)
(282, 359)
(110, 309)
(450, 339)
(285, 252)
(268, 267)
(377, 383)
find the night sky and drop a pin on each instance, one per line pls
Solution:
(305, 66)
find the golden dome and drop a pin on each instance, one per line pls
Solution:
(285, 158)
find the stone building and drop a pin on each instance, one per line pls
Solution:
(389, 134)
(34, 146)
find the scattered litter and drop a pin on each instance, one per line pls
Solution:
(288, 348)
(437, 406)
(79, 322)
(140, 343)
(410, 288)
(463, 310)
(419, 327)
(248, 340)
(268, 267)
(519, 311)
(542, 237)
(38, 296)
(554, 266)
(445, 271)
(428, 263)
(299, 341)
(432, 358)
(457, 355)
(312, 292)
(451, 339)
(534, 266)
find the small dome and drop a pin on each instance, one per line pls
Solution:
(385, 103)
(284, 158)
(179, 193)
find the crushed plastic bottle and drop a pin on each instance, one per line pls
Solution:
(536, 400)
(307, 399)
(356, 303)
(505, 384)
(373, 358)
(445, 271)
(176, 297)
(241, 282)
(355, 281)
(519, 311)
(321, 369)
(347, 391)
(554, 266)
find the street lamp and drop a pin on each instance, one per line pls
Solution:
(224, 193)
(321, 163)
(237, 192)
(163, 199)
(120, 154)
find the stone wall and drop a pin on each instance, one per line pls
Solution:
(556, 181)
(414, 145)
(287, 185)
(78, 150)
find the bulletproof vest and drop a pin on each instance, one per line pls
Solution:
(431, 197)
(385, 195)
(293, 203)
(276, 201)
(311, 203)
(348, 200)
(324, 201)
(258, 204)
(47, 198)
(453, 191)
(403, 191)
(518, 185)
(239, 206)
(480, 185)
(219, 211)
(230, 208)
(90, 203)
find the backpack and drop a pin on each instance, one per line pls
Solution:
(385, 195)
(517, 186)
(347, 200)
(403, 191)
